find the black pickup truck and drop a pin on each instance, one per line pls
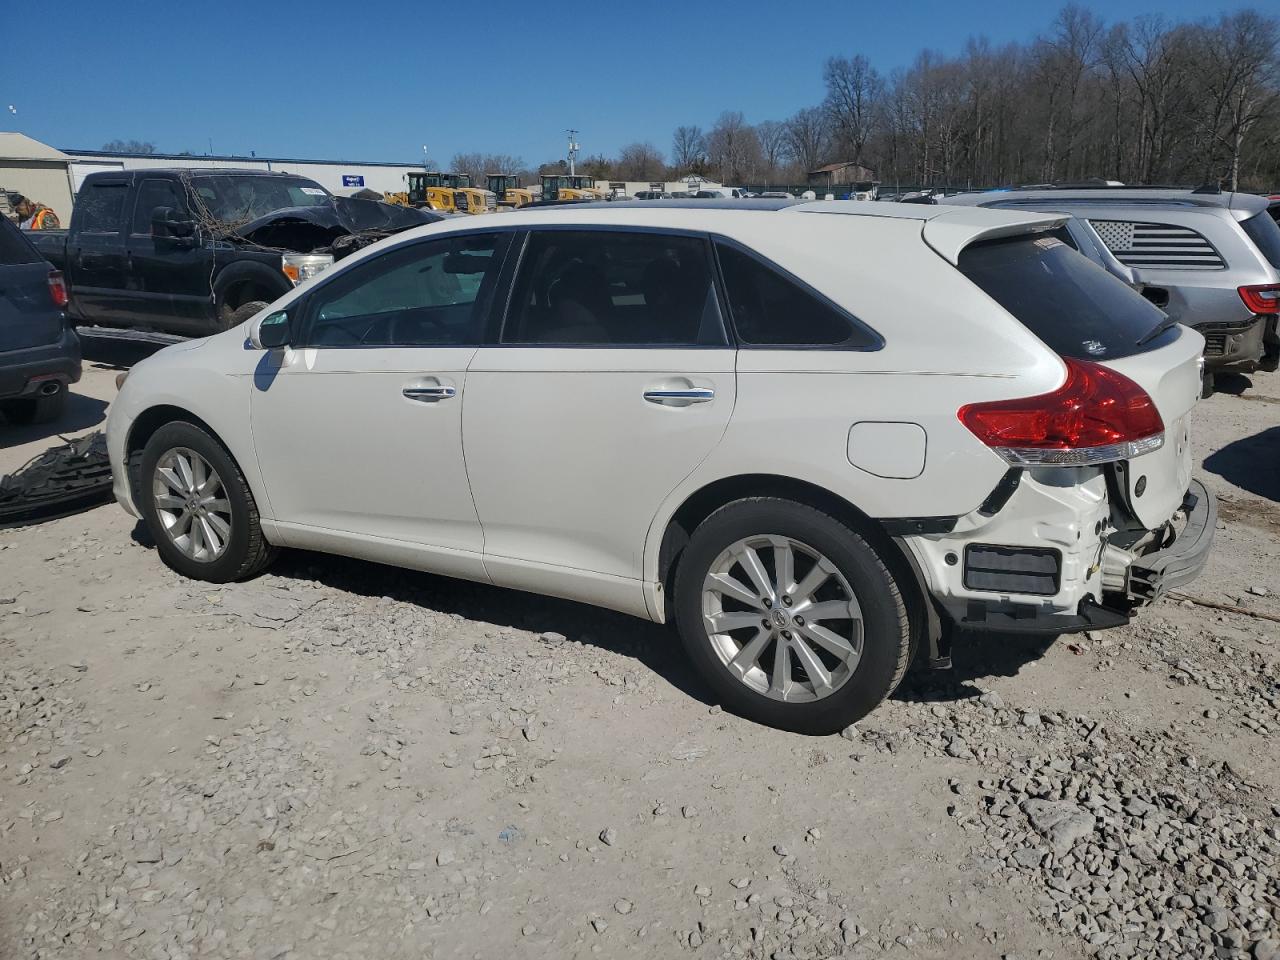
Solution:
(195, 251)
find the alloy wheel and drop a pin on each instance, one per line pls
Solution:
(782, 618)
(192, 504)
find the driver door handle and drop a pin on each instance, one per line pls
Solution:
(430, 394)
(680, 398)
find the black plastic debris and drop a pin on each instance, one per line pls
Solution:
(62, 481)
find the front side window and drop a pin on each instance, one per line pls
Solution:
(614, 288)
(99, 206)
(422, 294)
(772, 309)
(152, 194)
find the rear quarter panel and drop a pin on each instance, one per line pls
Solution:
(946, 343)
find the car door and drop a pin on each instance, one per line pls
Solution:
(358, 425)
(172, 273)
(101, 292)
(611, 378)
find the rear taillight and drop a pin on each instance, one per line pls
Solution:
(1097, 416)
(1263, 298)
(57, 288)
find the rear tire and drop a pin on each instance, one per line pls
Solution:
(209, 506)
(861, 657)
(37, 409)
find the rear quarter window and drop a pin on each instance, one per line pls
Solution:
(1265, 234)
(14, 247)
(1076, 307)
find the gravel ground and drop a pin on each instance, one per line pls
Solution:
(343, 760)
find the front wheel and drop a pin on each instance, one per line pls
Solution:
(791, 616)
(198, 507)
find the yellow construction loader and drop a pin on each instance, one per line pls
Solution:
(559, 186)
(506, 188)
(446, 192)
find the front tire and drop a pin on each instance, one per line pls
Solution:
(198, 507)
(790, 616)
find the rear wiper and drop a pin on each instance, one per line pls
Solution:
(1161, 327)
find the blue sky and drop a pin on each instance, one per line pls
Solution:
(377, 79)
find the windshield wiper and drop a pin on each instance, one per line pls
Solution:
(1161, 327)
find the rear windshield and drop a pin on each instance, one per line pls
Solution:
(14, 247)
(1070, 303)
(1262, 230)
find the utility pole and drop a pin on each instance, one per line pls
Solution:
(573, 150)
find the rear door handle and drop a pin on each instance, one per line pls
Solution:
(680, 398)
(430, 394)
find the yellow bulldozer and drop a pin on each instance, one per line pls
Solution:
(559, 186)
(508, 191)
(446, 192)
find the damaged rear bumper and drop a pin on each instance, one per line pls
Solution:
(1152, 575)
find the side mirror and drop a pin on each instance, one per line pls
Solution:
(171, 224)
(271, 331)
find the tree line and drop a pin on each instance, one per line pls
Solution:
(1142, 101)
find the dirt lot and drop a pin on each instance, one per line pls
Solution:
(343, 760)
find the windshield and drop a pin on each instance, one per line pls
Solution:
(239, 199)
(1073, 305)
(1262, 230)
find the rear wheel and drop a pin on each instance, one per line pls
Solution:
(790, 616)
(199, 508)
(44, 409)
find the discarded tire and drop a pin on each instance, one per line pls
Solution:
(63, 480)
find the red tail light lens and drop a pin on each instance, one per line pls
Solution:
(1097, 416)
(57, 288)
(1263, 298)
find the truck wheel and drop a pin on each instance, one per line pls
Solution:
(243, 312)
(37, 409)
(198, 507)
(790, 616)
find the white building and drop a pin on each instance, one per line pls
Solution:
(36, 171)
(343, 177)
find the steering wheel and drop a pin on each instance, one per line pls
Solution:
(402, 319)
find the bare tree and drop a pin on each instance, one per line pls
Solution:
(128, 146)
(854, 88)
(807, 137)
(471, 164)
(1238, 78)
(774, 146)
(733, 148)
(640, 161)
(689, 150)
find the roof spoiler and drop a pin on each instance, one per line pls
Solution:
(949, 233)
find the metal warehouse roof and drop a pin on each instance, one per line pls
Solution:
(187, 157)
(18, 146)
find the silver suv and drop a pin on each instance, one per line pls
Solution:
(1209, 260)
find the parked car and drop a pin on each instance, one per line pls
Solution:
(893, 422)
(39, 351)
(198, 251)
(651, 195)
(1209, 260)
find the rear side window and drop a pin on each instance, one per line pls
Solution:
(614, 288)
(1076, 307)
(99, 206)
(14, 247)
(771, 308)
(1265, 234)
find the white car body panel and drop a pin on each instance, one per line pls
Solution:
(550, 472)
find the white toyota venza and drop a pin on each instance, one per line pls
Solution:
(818, 437)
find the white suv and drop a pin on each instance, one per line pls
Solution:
(816, 436)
